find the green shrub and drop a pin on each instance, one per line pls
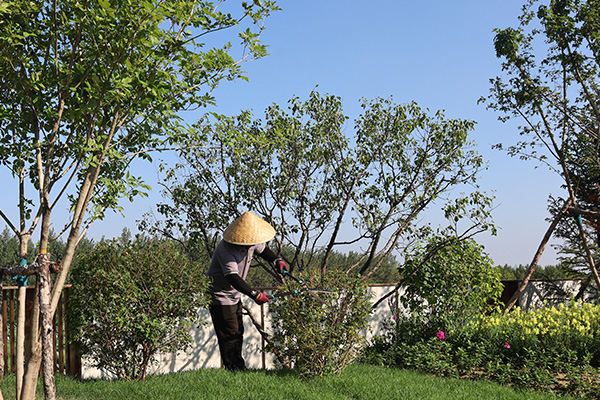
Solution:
(448, 281)
(131, 301)
(555, 349)
(320, 333)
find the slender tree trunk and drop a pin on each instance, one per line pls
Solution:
(35, 360)
(20, 355)
(515, 297)
(47, 328)
(22, 284)
(2, 366)
(588, 255)
(32, 369)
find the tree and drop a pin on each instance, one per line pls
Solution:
(132, 300)
(325, 191)
(321, 189)
(448, 282)
(87, 87)
(556, 96)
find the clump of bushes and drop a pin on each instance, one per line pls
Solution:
(553, 348)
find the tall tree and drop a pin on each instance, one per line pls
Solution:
(88, 86)
(552, 62)
(323, 189)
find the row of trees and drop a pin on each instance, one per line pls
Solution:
(388, 273)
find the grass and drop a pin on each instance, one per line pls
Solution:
(357, 382)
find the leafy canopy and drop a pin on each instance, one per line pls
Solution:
(322, 188)
(87, 86)
(551, 84)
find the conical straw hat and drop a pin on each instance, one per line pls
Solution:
(249, 230)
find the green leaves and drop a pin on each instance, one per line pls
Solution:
(506, 43)
(93, 85)
(448, 281)
(320, 185)
(551, 84)
(321, 335)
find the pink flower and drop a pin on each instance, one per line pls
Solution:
(440, 335)
(506, 345)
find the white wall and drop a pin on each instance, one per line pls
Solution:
(553, 292)
(204, 352)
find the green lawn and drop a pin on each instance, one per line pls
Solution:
(357, 382)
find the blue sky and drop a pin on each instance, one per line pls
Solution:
(437, 53)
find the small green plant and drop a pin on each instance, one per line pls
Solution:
(321, 333)
(133, 300)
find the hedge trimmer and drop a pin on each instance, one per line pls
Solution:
(298, 291)
(304, 289)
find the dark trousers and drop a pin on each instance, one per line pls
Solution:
(229, 328)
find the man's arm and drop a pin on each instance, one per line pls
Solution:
(239, 284)
(270, 256)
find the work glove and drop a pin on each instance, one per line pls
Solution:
(280, 266)
(261, 298)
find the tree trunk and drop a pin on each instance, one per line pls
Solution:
(35, 360)
(22, 284)
(1, 335)
(47, 328)
(32, 369)
(513, 300)
(20, 355)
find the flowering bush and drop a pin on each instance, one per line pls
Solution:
(567, 334)
(554, 348)
(575, 318)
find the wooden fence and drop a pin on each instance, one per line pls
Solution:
(67, 360)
